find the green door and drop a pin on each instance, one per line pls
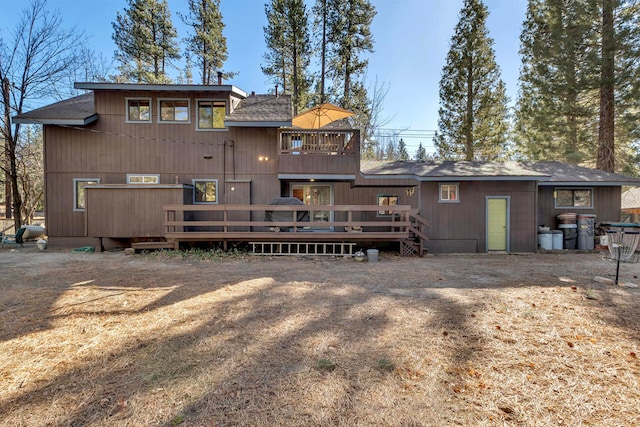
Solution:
(497, 224)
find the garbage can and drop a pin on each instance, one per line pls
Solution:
(586, 227)
(545, 240)
(556, 240)
(570, 233)
(372, 255)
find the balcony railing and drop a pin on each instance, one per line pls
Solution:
(345, 142)
(299, 223)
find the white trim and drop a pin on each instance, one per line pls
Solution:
(75, 191)
(457, 189)
(182, 122)
(143, 175)
(196, 180)
(126, 109)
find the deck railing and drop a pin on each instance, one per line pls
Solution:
(345, 142)
(300, 223)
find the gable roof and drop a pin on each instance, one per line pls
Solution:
(79, 110)
(546, 173)
(262, 111)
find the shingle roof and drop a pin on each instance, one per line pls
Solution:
(546, 173)
(262, 110)
(79, 110)
(462, 170)
(567, 174)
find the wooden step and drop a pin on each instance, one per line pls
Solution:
(153, 245)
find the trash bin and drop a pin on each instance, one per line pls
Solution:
(586, 233)
(372, 255)
(570, 233)
(545, 240)
(556, 240)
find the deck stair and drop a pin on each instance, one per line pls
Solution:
(303, 248)
(413, 245)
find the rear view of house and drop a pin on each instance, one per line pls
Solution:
(161, 165)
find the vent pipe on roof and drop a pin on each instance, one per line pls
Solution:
(219, 78)
(253, 93)
(276, 89)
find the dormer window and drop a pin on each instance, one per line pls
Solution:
(211, 114)
(174, 110)
(139, 110)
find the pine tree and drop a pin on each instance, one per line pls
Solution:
(288, 49)
(473, 114)
(421, 153)
(403, 154)
(146, 41)
(207, 43)
(554, 114)
(578, 83)
(349, 37)
(320, 22)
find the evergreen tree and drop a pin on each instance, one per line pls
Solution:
(473, 114)
(554, 114)
(578, 83)
(403, 154)
(321, 17)
(349, 38)
(207, 43)
(146, 41)
(288, 49)
(421, 153)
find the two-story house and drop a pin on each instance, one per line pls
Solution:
(158, 165)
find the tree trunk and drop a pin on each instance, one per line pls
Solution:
(606, 127)
(323, 58)
(7, 133)
(468, 131)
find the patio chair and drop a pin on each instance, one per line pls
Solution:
(13, 239)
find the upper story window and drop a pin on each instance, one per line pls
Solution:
(449, 193)
(79, 185)
(139, 110)
(386, 200)
(211, 114)
(134, 178)
(573, 198)
(174, 110)
(205, 191)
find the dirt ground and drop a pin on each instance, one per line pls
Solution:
(155, 340)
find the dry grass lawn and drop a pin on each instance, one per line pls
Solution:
(115, 340)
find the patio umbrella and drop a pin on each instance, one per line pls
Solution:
(319, 116)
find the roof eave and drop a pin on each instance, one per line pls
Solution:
(161, 87)
(274, 124)
(63, 122)
(590, 183)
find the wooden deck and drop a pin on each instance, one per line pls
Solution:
(246, 223)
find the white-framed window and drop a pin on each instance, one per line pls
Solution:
(78, 191)
(449, 193)
(138, 110)
(573, 198)
(205, 191)
(137, 178)
(387, 200)
(173, 110)
(211, 114)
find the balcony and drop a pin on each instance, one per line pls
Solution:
(322, 152)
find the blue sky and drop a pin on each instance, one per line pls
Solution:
(411, 42)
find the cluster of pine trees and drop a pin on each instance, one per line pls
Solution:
(579, 87)
(148, 43)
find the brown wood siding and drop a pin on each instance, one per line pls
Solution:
(462, 226)
(606, 205)
(318, 163)
(121, 211)
(111, 148)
